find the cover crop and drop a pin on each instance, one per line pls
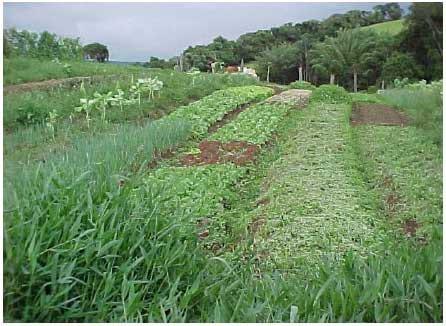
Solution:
(255, 125)
(203, 113)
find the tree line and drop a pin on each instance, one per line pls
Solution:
(335, 50)
(46, 45)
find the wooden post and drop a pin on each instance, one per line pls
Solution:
(242, 65)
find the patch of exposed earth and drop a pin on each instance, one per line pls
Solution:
(296, 97)
(214, 152)
(377, 114)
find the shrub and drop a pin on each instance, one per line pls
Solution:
(372, 89)
(302, 85)
(330, 94)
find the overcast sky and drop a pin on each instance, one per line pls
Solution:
(136, 31)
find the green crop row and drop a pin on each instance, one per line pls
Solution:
(195, 191)
(203, 113)
(255, 125)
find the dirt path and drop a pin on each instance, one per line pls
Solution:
(51, 83)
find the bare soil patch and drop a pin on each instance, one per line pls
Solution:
(377, 114)
(214, 152)
(410, 227)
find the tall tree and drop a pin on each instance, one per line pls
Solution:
(323, 61)
(423, 37)
(281, 61)
(351, 48)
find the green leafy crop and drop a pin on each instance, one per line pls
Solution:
(255, 125)
(205, 112)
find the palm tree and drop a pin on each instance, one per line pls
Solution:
(323, 60)
(303, 46)
(351, 48)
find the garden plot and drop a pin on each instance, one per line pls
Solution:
(239, 140)
(377, 114)
(316, 208)
(204, 113)
(407, 170)
(203, 189)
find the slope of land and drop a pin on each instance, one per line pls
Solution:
(392, 27)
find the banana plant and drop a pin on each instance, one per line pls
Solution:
(119, 98)
(103, 101)
(87, 106)
(194, 72)
(51, 121)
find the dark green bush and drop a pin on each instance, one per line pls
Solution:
(302, 85)
(331, 94)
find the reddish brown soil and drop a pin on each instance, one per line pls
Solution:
(213, 152)
(410, 227)
(377, 114)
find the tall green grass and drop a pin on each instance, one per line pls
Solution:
(22, 70)
(423, 105)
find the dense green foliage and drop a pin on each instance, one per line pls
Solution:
(423, 38)
(43, 45)
(96, 51)
(399, 66)
(314, 47)
(155, 62)
(202, 114)
(255, 125)
(330, 94)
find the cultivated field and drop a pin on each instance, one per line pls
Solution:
(208, 198)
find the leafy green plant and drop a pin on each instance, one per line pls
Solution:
(87, 106)
(103, 101)
(51, 121)
(255, 125)
(205, 112)
(330, 94)
(302, 85)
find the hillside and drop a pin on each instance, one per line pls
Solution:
(392, 27)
